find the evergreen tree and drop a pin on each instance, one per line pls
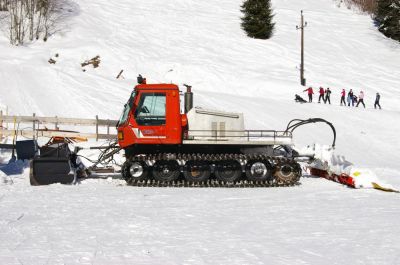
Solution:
(257, 20)
(387, 17)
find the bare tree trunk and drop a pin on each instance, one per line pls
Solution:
(30, 11)
(46, 17)
(21, 23)
(11, 26)
(13, 23)
(4, 5)
(39, 10)
(45, 20)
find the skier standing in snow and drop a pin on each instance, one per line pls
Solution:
(350, 98)
(327, 95)
(361, 99)
(378, 97)
(310, 92)
(342, 98)
(321, 94)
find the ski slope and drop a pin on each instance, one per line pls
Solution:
(201, 43)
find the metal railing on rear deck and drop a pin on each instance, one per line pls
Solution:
(224, 135)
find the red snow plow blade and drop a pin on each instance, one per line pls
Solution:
(342, 178)
(348, 180)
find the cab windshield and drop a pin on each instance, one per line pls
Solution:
(127, 109)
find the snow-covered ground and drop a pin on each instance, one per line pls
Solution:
(201, 43)
(102, 222)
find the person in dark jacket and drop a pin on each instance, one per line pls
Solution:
(343, 93)
(327, 95)
(321, 94)
(378, 97)
(297, 98)
(350, 97)
(310, 92)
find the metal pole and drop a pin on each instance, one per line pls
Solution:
(303, 25)
(302, 50)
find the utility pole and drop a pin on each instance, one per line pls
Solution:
(303, 25)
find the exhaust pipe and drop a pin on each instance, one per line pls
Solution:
(188, 98)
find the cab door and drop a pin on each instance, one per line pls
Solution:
(150, 117)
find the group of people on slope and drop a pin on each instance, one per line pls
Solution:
(325, 96)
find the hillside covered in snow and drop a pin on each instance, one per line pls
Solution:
(201, 43)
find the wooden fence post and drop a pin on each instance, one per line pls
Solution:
(33, 125)
(6, 115)
(1, 125)
(97, 128)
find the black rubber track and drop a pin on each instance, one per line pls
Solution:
(210, 184)
(276, 162)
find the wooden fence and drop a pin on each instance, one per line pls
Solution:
(10, 124)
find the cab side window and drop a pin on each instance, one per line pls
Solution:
(151, 110)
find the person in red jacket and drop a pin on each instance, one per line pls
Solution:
(310, 92)
(321, 94)
(343, 93)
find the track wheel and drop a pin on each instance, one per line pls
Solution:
(287, 172)
(196, 171)
(228, 171)
(258, 170)
(166, 170)
(134, 171)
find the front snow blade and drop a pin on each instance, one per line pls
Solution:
(49, 170)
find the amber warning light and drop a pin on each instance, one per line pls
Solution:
(121, 135)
